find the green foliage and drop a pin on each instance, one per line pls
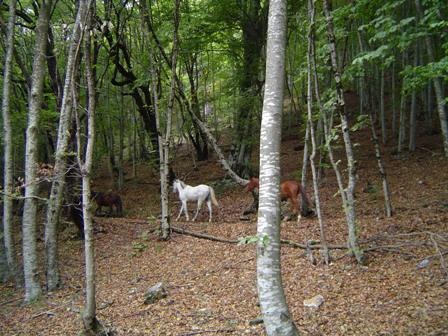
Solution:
(253, 240)
(417, 77)
(362, 121)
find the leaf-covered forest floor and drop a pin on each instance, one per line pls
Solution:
(212, 285)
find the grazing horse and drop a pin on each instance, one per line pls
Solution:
(289, 190)
(110, 200)
(198, 193)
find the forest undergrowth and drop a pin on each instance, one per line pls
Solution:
(402, 289)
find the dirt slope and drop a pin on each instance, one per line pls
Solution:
(212, 286)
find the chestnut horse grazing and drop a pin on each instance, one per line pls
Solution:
(289, 190)
(110, 200)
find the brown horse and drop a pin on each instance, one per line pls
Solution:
(110, 200)
(289, 190)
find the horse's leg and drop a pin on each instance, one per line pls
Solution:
(197, 210)
(209, 204)
(186, 210)
(180, 212)
(294, 200)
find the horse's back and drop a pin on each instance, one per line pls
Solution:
(200, 191)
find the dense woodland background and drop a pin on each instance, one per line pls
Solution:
(116, 96)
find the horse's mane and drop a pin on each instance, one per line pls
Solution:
(182, 183)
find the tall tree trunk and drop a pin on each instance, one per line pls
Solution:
(394, 108)
(33, 289)
(438, 89)
(60, 165)
(304, 206)
(276, 316)
(9, 266)
(310, 60)
(165, 136)
(340, 107)
(91, 324)
(382, 171)
(253, 23)
(382, 112)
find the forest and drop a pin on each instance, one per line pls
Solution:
(224, 167)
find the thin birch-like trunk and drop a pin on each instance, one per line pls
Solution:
(276, 316)
(310, 59)
(382, 112)
(10, 267)
(120, 177)
(402, 123)
(165, 137)
(303, 201)
(33, 290)
(394, 109)
(382, 171)
(60, 165)
(90, 322)
(413, 112)
(351, 168)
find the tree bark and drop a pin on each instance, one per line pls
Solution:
(276, 316)
(165, 135)
(9, 266)
(60, 165)
(91, 324)
(253, 24)
(33, 289)
(340, 107)
(310, 59)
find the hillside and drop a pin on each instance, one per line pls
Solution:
(212, 285)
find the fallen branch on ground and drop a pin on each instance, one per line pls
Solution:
(202, 235)
(207, 332)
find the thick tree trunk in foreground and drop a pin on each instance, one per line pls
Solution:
(32, 287)
(276, 316)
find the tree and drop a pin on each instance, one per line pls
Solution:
(253, 25)
(276, 316)
(349, 192)
(91, 324)
(11, 267)
(60, 165)
(165, 134)
(310, 127)
(438, 88)
(32, 287)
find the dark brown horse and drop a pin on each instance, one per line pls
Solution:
(110, 199)
(289, 190)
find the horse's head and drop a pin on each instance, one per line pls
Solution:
(252, 184)
(175, 185)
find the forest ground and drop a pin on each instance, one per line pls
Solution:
(212, 285)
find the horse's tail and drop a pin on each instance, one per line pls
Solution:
(213, 197)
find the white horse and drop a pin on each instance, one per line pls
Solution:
(198, 193)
